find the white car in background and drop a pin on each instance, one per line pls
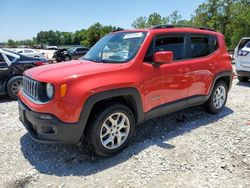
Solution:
(242, 59)
(29, 52)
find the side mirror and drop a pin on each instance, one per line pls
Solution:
(163, 57)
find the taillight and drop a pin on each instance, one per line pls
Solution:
(243, 53)
(39, 63)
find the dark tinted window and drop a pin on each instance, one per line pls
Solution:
(150, 52)
(10, 58)
(243, 43)
(248, 45)
(174, 43)
(213, 43)
(170, 43)
(199, 46)
(79, 49)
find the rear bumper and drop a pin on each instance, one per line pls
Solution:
(46, 128)
(243, 73)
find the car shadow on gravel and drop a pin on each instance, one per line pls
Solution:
(246, 84)
(61, 160)
(5, 98)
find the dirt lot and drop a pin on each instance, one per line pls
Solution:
(190, 148)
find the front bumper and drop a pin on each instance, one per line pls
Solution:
(243, 73)
(46, 128)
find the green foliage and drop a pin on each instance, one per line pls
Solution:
(230, 17)
(84, 37)
(11, 43)
(156, 19)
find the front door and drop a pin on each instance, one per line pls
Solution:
(169, 82)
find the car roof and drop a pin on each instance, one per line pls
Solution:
(175, 29)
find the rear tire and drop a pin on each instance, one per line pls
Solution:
(243, 79)
(13, 86)
(110, 130)
(218, 98)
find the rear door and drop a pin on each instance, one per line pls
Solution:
(202, 62)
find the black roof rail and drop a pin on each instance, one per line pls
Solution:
(188, 26)
(118, 29)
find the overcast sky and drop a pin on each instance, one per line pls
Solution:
(23, 19)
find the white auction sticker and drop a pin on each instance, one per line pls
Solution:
(133, 35)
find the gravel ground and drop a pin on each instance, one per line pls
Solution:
(190, 148)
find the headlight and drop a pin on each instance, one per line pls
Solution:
(50, 90)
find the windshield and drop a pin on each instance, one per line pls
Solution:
(116, 47)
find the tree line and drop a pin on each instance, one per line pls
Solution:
(230, 17)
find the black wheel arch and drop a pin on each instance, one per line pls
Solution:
(128, 96)
(226, 76)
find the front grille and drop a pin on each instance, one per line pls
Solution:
(30, 87)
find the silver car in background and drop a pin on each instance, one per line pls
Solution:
(242, 59)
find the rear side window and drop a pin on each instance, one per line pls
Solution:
(174, 43)
(28, 51)
(199, 45)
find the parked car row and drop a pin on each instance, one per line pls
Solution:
(29, 52)
(53, 53)
(72, 53)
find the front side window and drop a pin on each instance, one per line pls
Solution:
(174, 43)
(117, 47)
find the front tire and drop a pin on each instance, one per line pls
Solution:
(218, 98)
(110, 130)
(13, 86)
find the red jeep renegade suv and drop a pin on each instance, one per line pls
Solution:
(126, 78)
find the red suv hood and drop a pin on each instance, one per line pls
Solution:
(61, 72)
